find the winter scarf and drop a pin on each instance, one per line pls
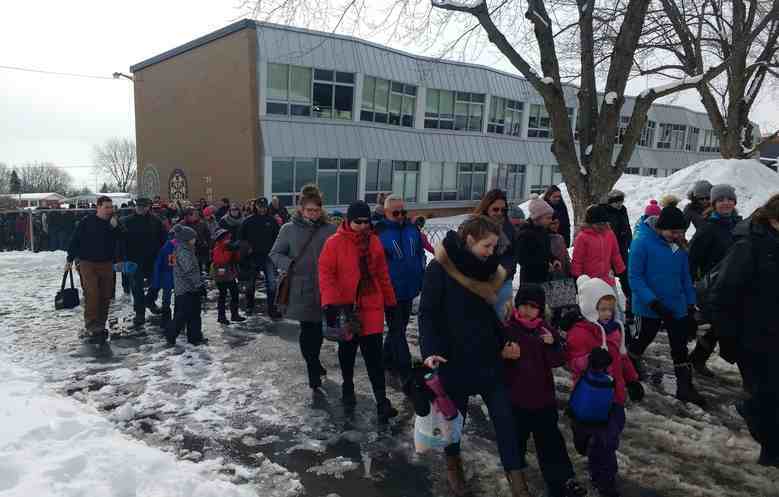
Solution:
(363, 245)
(609, 326)
(482, 277)
(231, 221)
(530, 324)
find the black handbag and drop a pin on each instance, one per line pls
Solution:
(67, 298)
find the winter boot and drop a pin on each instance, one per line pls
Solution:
(235, 317)
(517, 483)
(745, 410)
(685, 390)
(385, 411)
(572, 488)
(347, 395)
(699, 357)
(139, 320)
(456, 475)
(165, 317)
(222, 319)
(273, 312)
(638, 364)
(768, 459)
(322, 370)
(152, 306)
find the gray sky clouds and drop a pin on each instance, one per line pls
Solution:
(59, 118)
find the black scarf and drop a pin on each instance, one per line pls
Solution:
(466, 262)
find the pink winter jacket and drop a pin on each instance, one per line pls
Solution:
(596, 254)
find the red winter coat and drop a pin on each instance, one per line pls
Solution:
(339, 274)
(585, 336)
(224, 261)
(596, 254)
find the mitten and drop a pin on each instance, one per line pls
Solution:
(635, 391)
(570, 318)
(600, 359)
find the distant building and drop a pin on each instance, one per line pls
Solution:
(47, 200)
(260, 109)
(769, 153)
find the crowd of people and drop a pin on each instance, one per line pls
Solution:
(348, 281)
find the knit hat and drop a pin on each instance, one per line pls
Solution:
(516, 212)
(720, 192)
(220, 232)
(358, 210)
(208, 211)
(530, 293)
(143, 202)
(539, 208)
(596, 214)
(615, 196)
(183, 233)
(671, 218)
(669, 201)
(652, 209)
(701, 189)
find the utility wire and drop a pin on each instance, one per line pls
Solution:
(55, 73)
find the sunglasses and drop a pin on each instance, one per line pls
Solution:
(501, 210)
(361, 221)
(401, 212)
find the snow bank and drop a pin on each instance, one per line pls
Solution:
(55, 446)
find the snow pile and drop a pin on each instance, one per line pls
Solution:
(55, 446)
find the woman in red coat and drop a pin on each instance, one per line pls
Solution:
(353, 276)
(595, 250)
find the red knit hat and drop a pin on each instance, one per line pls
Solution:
(652, 209)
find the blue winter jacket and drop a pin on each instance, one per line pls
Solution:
(405, 256)
(163, 266)
(643, 227)
(661, 272)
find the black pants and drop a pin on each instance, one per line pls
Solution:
(187, 314)
(224, 287)
(138, 279)
(310, 346)
(764, 403)
(624, 282)
(370, 346)
(396, 354)
(552, 454)
(677, 337)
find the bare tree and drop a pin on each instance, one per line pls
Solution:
(690, 35)
(587, 42)
(5, 178)
(116, 159)
(44, 177)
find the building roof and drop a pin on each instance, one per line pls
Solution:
(36, 196)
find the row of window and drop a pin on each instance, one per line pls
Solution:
(650, 171)
(303, 91)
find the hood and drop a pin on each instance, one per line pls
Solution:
(484, 278)
(346, 231)
(591, 290)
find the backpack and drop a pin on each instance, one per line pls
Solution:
(592, 398)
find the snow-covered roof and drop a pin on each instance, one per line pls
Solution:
(36, 196)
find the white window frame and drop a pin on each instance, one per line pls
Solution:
(406, 93)
(539, 113)
(480, 175)
(500, 110)
(441, 190)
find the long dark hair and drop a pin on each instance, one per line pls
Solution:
(768, 211)
(549, 191)
(488, 199)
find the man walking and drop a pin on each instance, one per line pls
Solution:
(144, 237)
(258, 232)
(406, 260)
(93, 247)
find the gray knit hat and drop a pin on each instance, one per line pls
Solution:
(615, 196)
(183, 233)
(539, 208)
(701, 189)
(719, 192)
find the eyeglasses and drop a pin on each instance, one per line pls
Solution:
(361, 221)
(401, 212)
(501, 210)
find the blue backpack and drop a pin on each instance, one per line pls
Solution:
(592, 398)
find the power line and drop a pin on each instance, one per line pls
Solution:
(55, 73)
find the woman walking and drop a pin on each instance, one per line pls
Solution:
(354, 281)
(296, 252)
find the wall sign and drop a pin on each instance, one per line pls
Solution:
(150, 182)
(177, 185)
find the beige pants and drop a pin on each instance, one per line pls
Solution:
(97, 280)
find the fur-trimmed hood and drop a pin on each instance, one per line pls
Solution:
(487, 290)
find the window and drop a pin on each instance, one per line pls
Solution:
(378, 179)
(543, 175)
(511, 179)
(462, 111)
(671, 136)
(443, 182)
(399, 177)
(293, 91)
(632, 170)
(624, 121)
(538, 125)
(693, 134)
(471, 180)
(650, 171)
(388, 102)
(505, 117)
(710, 141)
(647, 134)
(337, 179)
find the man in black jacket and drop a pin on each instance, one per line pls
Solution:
(144, 236)
(93, 247)
(257, 235)
(617, 216)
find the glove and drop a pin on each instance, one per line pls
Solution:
(635, 391)
(661, 310)
(570, 318)
(331, 315)
(728, 349)
(600, 359)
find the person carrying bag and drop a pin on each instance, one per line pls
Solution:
(67, 298)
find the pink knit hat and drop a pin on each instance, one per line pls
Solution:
(652, 209)
(539, 208)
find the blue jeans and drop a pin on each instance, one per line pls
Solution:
(267, 267)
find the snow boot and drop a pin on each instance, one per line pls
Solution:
(347, 395)
(638, 364)
(235, 317)
(152, 306)
(322, 370)
(385, 411)
(455, 475)
(273, 312)
(744, 409)
(699, 357)
(685, 390)
(517, 483)
(166, 315)
(572, 488)
(768, 459)
(139, 320)
(222, 319)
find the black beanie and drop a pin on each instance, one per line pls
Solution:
(358, 210)
(596, 214)
(530, 293)
(671, 218)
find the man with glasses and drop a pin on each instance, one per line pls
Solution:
(405, 255)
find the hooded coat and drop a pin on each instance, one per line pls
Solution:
(534, 253)
(457, 317)
(339, 277)
(588, 334)
(711, 243)
(405, 254)
(596, 254)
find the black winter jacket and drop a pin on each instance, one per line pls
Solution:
(745, 295)
(508, 259)
(620, 225)
(710, 244)
(534, 253)
(260, 233)
(94, 240)
(143, 236)
(458, 324)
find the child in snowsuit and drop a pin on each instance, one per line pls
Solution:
(162, 278)
(534, 349)
(190, 288)
(225, 257)
(594, 328)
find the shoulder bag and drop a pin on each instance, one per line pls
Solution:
(282, 289)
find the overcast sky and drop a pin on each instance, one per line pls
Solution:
(59, 118)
